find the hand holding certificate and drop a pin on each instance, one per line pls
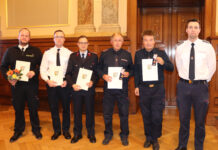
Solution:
(24, 66)
(56, 75)
(115, 73)
(149, 70)
(83, 78)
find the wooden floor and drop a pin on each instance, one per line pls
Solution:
(168, 141)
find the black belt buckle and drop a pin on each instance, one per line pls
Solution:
(151, 85)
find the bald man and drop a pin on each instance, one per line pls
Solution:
(116, 57)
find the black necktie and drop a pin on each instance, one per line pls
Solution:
(83, 56)
(58, 58)
(22, 51)
(192, 63)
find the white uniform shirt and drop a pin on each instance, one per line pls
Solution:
(205, 60)
(85, 53)
(49, 59)
(24, 48)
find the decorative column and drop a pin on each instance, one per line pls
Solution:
(85, 16)
(110, 16)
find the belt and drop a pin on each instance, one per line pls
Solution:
(193, 82)
(151, 85)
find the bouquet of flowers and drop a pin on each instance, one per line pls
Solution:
(14, 74)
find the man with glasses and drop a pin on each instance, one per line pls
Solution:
(87, 60)
(54, 58)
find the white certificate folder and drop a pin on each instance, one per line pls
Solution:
(116, 82)
(83, 78)
(56, 74)
(149, 70)
(24, 66)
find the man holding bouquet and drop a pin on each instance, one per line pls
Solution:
(24, 81)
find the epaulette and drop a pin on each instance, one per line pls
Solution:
(206, 41)
(93, 52)
(138, 50)
(179, 43)
(105, 50)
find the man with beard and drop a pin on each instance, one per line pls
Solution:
(21, 90)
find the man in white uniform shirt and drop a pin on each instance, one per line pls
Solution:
(55, 57)
(196, 64)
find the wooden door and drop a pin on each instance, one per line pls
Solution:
(168, 24)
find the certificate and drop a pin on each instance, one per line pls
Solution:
(83, 78)
(149, 70)
(117, 82)
(24, 66)
(56, 74)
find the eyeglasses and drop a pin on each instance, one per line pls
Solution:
(83, 42)
(59, 37)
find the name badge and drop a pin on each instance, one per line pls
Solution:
(30, 55)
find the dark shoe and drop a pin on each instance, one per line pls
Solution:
(67, 135)
(156, 146)
(147, 144)
(76, 138)
(55, 135)
(106, 140)
(37, 134)
(15, 136)
(92, 139)
(181, 148)
(124, 141)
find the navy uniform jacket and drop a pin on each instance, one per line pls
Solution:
(75, 63)
(143, 54)
(31, 54)
(107, 59)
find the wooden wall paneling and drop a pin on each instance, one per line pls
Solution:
(208, 21)
(132, 36)
(210, 33)
(97, 45)
(170, 3)
(212, 117)
(213, 17)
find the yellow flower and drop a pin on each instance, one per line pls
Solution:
(14, 76)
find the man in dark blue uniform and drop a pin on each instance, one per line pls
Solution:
(116, 57)
(88, 60)
(151, 92)
(21, 90)
(196, 64)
